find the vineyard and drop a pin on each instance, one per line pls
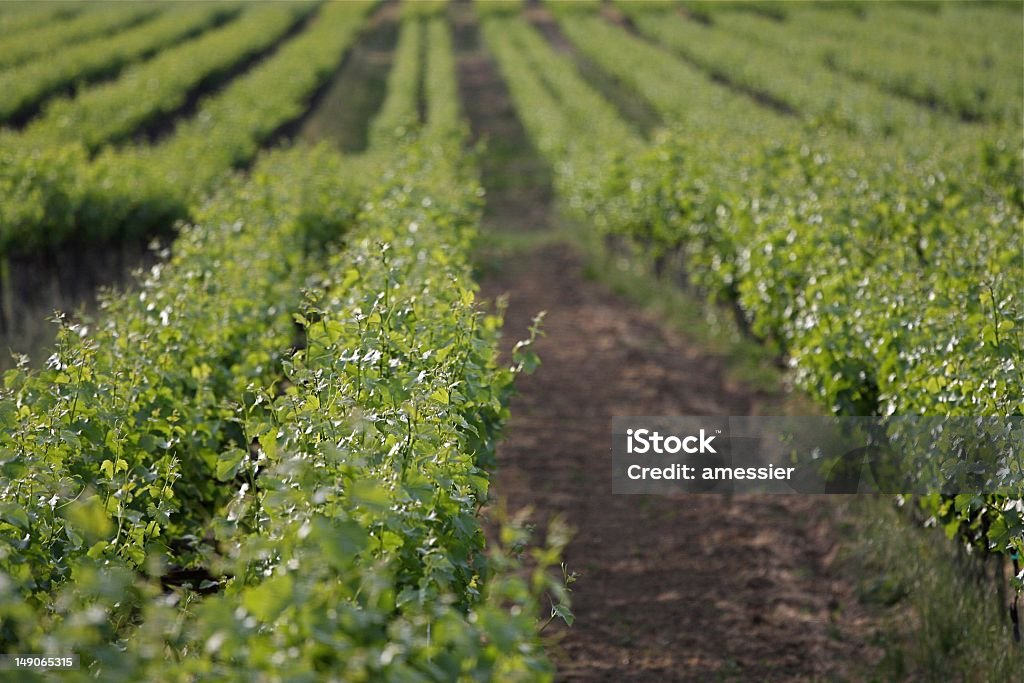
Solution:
(401, 265)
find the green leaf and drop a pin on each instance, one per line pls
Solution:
(267, 600)
(88, 518)
(96, 551)
(391, 541)
(562, 611)
(339, 541)
(369, 493)
(988, 334)
(136, 554)
(14, 514)
(228, 463)
(351, 277)
(268, 442)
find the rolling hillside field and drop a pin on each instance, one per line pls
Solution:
(321, 320)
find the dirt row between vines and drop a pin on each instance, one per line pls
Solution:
(689, 588)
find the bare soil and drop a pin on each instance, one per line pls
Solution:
(67, 279)
(691, 588)
(698, 587)
(341, 111)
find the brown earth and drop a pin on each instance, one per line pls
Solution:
(694, 588)
(699, 587)
(342, 109)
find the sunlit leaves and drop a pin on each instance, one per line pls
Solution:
(295, 480)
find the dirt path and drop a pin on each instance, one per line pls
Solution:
(686, 588)
(689, 588)
(343, 109)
